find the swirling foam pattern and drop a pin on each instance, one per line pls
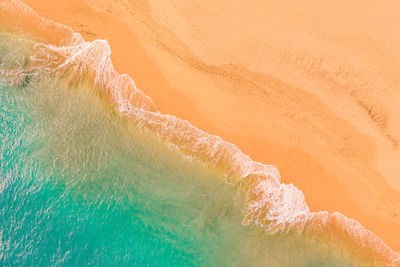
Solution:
(74, 166)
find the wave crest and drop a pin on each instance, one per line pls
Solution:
(270, 203)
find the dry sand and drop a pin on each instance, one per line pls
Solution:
(312, 87)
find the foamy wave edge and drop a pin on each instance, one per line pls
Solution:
(271, 204)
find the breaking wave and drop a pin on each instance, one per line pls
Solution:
(270, 203)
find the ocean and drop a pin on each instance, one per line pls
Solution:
(84, 181)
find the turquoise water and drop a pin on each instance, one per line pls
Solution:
(81, 185)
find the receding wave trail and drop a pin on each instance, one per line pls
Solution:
(270, 203)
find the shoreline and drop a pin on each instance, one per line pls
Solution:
(139, 65)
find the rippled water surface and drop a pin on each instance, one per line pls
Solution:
(79, 184)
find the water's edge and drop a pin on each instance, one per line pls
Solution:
(271, 204)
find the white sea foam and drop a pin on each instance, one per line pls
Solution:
(272, 204)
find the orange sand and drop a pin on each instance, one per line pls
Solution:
(312, 88)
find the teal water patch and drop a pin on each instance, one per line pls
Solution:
(81, 185)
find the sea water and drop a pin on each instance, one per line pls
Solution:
(82, 185)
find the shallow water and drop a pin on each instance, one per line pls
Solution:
(80, 184)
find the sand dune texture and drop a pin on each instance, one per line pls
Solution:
(312, 87)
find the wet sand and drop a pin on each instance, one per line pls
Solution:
(300, 87)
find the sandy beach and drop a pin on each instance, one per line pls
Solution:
(297, 86)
